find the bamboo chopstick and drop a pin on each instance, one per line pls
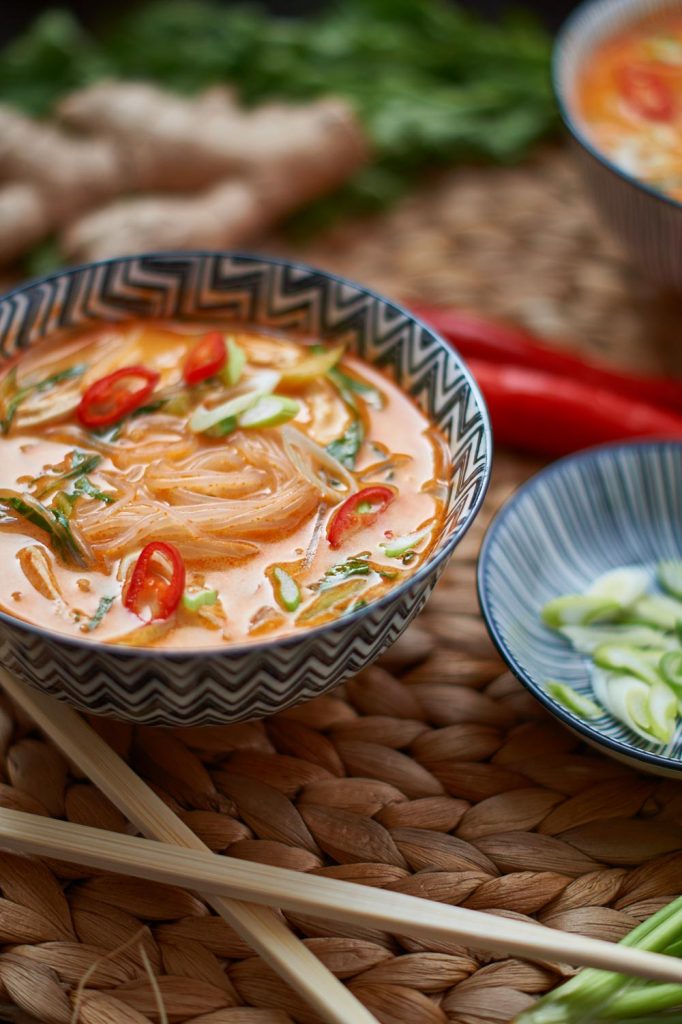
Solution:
(318, 896)
(195, 866)
(260, 926)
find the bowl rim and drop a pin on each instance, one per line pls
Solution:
(579, 134)
(588, 456)
(126, 651)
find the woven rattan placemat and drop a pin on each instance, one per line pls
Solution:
(433, 773)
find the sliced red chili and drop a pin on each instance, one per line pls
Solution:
(110, 398)
(646, 93)
(206, 358)
(157, 582)
(362, 509)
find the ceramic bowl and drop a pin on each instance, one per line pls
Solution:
(648, 222)
(230, 683)
(588, 513)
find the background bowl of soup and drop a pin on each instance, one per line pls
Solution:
(617, 72)
(227, 680)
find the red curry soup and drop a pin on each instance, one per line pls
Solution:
(630, 100)
(169, 486)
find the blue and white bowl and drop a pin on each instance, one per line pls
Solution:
(648, 222)
(231, 683)
(588, 513)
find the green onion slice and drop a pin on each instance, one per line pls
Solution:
(578, 610)
(577, 703)
(636, 662)
(399, 546)
(669, 575)
(194, 601)
(269, 411)
(656, 610)
(234, 364)
(286, 589)
(586, 639)
(671, 668)
(623, 586)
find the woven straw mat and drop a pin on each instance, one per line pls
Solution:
(433, 773)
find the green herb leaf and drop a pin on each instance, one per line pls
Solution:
(345, 449)
(53, 521)
(85, 486)
(347, 385)
(81, 463)
(344, 570)
(103, 607)
(354, 567)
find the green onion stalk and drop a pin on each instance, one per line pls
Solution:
(600, 997)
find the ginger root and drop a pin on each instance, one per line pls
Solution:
(223, 217)
(73, 174)
(172, 143)
(24, 219)
(285, 156)
(252, 165)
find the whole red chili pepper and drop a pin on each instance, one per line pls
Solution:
(549, 415)
(157, 583)
(362, 509)
(478, 337)
(110, 398)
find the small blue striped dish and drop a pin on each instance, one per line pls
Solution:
(588, 513)
(647, 221)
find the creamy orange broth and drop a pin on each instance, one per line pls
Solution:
(630, 99)
(247, 608)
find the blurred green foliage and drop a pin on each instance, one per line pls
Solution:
(432, 83)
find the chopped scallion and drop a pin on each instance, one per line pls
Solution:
(670, 577)
(286, 589)
(575, 702)
(399, 546)
(194, 601)
(234, 364)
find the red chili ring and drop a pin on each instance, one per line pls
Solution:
(206, 358)
(147, 588)
(348, 519)
(105, 402)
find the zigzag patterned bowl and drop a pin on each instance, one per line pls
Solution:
(588, 513)
(230, 683)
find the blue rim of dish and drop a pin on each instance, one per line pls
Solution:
(423, 572)
(576, 131)
(588, 456)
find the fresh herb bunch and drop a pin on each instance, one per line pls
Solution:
(431, 82)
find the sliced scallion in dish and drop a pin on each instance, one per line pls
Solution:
(578, 703)
(670, 578)
(632, 635)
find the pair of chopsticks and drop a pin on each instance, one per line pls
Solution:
(173, 854)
